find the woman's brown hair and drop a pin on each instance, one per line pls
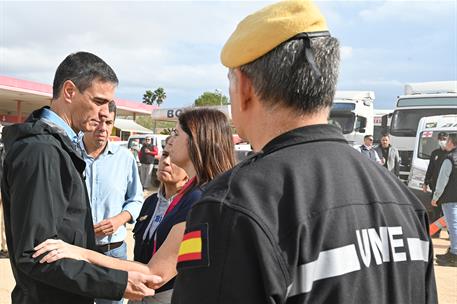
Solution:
(210, 147)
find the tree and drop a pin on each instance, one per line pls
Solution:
(149, 97)
(160, 95)
(211, 99)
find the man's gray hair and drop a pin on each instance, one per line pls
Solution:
(284, 77)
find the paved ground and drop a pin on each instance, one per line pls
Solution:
(446, 277)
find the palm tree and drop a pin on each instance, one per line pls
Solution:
(149, 97)
(160, 95)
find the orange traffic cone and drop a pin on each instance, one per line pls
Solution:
(437, 225)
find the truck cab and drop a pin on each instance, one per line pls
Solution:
(420, 100)
(352, 112)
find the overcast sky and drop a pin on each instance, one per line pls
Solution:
(176, 44)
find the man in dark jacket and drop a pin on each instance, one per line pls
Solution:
(431, 176)
(446, 194)
(44, 193)
(307, 219)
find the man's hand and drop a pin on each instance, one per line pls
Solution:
(434, 203)
(110, 225)
(137, 285)
(424, 188)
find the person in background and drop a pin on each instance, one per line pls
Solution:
(368, 150)
(307, 219)
(202, 145)
(431, 176)
(147, 156)
(390, 158)
(135, 149)
(446, 194)
(44, 194)
(114, 189)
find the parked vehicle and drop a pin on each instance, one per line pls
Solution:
(420, 100)
(425, 142)
(158, 140)
(352, 111)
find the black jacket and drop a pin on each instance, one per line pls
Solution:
(307, 220)
(450, 191)
(44, 197)
(434, 166)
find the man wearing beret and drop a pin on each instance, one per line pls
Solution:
(306, 219)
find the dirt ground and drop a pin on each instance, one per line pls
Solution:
(446, 277)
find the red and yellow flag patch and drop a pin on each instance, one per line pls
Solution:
(194, 247)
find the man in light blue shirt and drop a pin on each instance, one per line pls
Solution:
(114, 188)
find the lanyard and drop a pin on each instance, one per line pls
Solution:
(173, 204)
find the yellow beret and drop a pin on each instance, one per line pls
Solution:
(264, 30)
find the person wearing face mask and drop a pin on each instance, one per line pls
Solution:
(431, 176)
(446, 194)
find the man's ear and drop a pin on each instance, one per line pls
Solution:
(245, 89)
(68, 91)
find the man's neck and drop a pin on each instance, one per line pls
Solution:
(59, 110)
(274, 122)
(92, 149)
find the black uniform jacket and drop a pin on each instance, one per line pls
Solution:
(307, 220)
(44, 197)
(434, 166)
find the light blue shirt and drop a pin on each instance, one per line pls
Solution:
(57, 120)
(113, 186)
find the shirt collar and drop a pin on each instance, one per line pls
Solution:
(57, 120)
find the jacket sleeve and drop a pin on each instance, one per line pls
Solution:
(234, 254)
(40, 184)
(396, 163)
(430, 169)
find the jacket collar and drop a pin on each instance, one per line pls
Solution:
(307, 134)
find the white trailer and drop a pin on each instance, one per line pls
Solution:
(420, 100)
(352, 111)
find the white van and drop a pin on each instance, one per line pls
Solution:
(158, 140)
(427, 141)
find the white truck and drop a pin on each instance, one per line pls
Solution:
(425, 142)
(419, 100)
(352, 111)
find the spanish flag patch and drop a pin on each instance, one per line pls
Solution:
(193, 251)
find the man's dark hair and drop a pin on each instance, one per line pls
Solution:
(385, 135)
(82, 68)
(442, 135)
(367, 136)
(284, 75)
(112, 108)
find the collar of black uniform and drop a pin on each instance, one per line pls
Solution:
(307, 134)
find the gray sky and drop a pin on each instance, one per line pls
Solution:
(176, 44)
